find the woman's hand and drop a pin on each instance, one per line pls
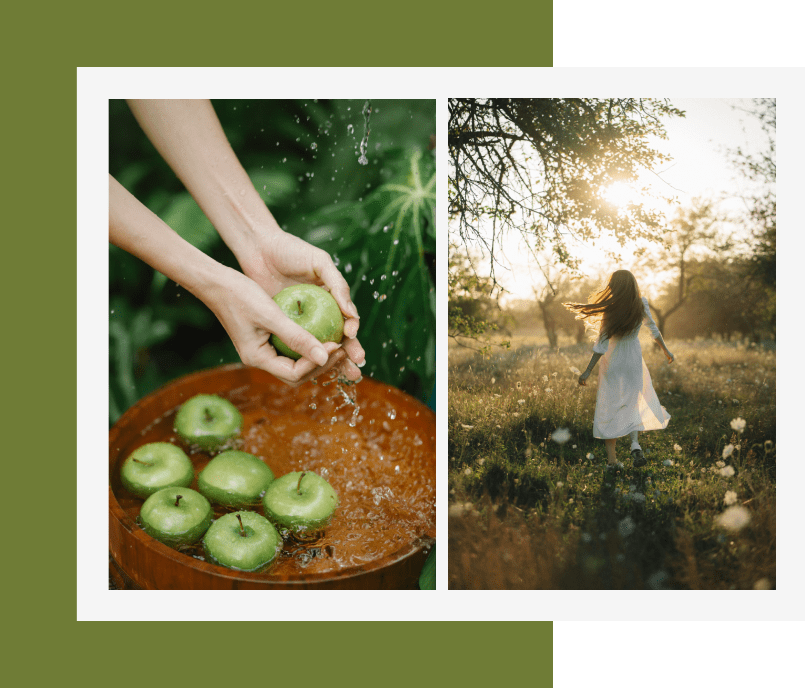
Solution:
(250, 316)
(669, 356)
(583, 378)
(276, 260)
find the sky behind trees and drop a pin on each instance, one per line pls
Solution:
(698, 144)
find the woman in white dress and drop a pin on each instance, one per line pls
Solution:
(626, 401)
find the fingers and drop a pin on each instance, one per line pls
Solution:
(294, 373)
(335, 282)
(298, 339)
(355, 351)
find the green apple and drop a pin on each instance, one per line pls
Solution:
(235, 478)
(300, 501)
(208, 422)
(244, 541)
(155, 466)
(314, 309)
(176, 516)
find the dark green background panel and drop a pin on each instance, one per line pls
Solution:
(686, 33)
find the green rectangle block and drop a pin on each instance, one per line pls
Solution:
(675, 653)
(688, 33)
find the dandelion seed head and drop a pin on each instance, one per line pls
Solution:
(738, 424)
(734, 518)
(730, 498)
(677, 448)
(626, 527)
(728, 451)
(727, 471)
(560, 435)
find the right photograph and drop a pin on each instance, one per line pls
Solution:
(612, 343)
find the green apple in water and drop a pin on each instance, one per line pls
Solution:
(155, 466)
(176, 516)
(207, 421)
(244, 541)
(313, 308)
(300, 501)
(235, 478)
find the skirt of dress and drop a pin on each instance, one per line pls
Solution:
(626, 399)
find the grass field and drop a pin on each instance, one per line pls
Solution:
(531, 505)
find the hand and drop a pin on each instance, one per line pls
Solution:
(250, 316)
(669, 356)
(583, 378)
(275, 260)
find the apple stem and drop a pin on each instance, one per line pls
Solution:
(299, 484)
(299, 306)
(207, 416)
(144, 463)
(178, 497)
(242, 531)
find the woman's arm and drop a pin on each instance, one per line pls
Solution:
(246, 311)
(189, 137)
(583, 377)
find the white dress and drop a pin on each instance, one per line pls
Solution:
(626, 399)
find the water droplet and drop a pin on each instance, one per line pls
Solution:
(313, 406)
(350, 129)
(382, 277)
(376, 294)
(314, 146)
(392, 413)
(396, 241)
(382, 297)
(348, 268)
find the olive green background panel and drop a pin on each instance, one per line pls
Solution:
(669, 654)
(686, 33)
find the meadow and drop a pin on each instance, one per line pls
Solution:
(532, 506)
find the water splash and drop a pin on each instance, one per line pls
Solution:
(367, 113)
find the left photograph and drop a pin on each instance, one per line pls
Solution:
(272, 344)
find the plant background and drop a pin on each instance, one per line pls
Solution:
(377, 221)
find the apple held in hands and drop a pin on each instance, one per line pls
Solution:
(207, 421)
(244, 541)
(300, 501)
(235, 478)
(313, 308)
(155, 466)
(176, 516)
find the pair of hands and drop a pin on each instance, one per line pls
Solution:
(244, 305)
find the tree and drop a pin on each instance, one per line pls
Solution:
(692, 228)
(760, 170)
(538, 166)
(472, 310)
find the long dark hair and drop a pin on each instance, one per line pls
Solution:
(615, 309)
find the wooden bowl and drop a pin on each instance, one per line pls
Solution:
(377, 450)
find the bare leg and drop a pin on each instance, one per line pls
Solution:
(610, 444)
(635, 443)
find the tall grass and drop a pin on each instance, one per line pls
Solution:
(528, 511)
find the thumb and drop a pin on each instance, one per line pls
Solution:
(298, 339)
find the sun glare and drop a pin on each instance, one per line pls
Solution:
(621, 194)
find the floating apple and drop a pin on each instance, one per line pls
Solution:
(244, 541)
(176, 516)
(155, 466)
(313, 308)
(300, 501)
(235, 478)
(207, 421)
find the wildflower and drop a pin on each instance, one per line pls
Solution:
(626, 527)
(468, 471)
(467, 427)
(586, 537)
(657, 580)
(767, 445)
(667, 462)
(481, 462)
(730, 498)
(720, 464)
(493, 381)
(574, 446)
(638, 497)
(460, 509)
(734, 518)
(548, 390)
(590, 456)
(728, 451)
(677, 448)
(561, 435)
(701, 428)
(735, 402)
(554, 374)
(575, 370)
(727, 471)
(738, 424)
(521, 401)
(560, 484)
(519, 385)
(545, 378)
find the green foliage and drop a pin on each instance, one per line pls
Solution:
(302, 157)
